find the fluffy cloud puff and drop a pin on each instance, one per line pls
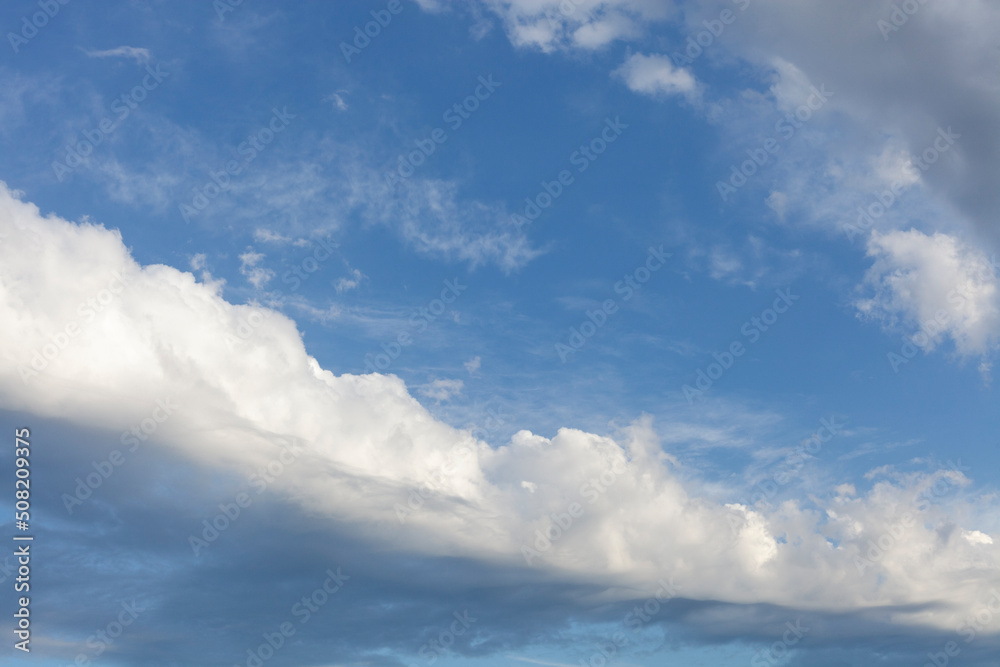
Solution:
(936, 285)
(655, 75)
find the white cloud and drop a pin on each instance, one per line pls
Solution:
(368, 444)
(598, 33)
(792, 87)
(441, 390)
(655, 75)
(255, 275)
(472, 365)
(150, 186)
(976, 537)
(430, 217)
(346, 284)
(337, 100)
(895, 165)
(723, 263)
(329, 314)
(19, 94)
(198, 261)
(431, 5)
(140, 55)
(263, 235)
(777, 201)
(937, 285)
(550, 25)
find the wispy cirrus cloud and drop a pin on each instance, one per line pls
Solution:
(138, 54)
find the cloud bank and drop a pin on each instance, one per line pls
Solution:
(93, 337)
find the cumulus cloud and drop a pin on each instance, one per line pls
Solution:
(248, 387)
(655, 75)
(937, 285)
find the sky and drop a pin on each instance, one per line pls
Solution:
(502, 332)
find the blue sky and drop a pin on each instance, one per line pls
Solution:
(739, 257)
